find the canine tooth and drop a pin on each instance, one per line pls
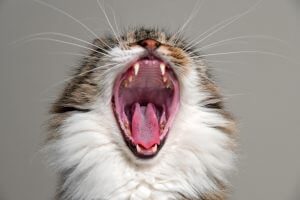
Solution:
(136, 68)
(138, 148)
(162, 68)
(154, 149)
(165, 79)
(130, 78)
(125, 83)
(168, 85)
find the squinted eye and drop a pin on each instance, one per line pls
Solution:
(141, 119)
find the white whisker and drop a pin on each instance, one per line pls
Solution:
(116, 25)
(59, 34)
(91, 19)
(237, 94)
(68, 79)
(71, 17)
(189, 45)
(243, 37)
(231, 20)
(102, 66)
(229, 96)
(194, 13)
(250, 51)
(224, 61)
(220, 44)
(107, 19)
(72, 54)
(64, 42)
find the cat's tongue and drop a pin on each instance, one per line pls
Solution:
(145, 126)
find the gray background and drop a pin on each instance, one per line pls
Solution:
(261, 90)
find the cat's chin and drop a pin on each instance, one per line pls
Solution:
(145, 101)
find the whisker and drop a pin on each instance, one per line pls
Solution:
(218, 71)
(237, 94)
(244, 37)
(194, 13)
(231, 20)
(230, 96)
(71, 17)
(107, 19)
(72, 77)
(102, 66)
(59, 34)
(225, 61)
(251, 51)
(188, 46)
(72, 54)
(91, 19)
(108, 70)
(116, 25)
(218, 45)
(64, 42)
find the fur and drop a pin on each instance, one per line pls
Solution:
(86, 148)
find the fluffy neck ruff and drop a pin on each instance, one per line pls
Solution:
(96, 164)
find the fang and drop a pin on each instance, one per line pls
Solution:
(136, 68)
(130, 79)
(163, 68)
(154, 148)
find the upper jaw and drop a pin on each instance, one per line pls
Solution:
(145, 101)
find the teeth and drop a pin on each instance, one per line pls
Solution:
(136, 68)
(168, 85)
(162, 68)
(130, 78)
(165, 79)
(154, 149)
(138, 148)
(125, 83)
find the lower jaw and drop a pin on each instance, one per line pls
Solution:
(133, 150)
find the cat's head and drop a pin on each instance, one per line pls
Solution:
(141, 99)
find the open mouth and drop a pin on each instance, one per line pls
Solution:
(145, 102)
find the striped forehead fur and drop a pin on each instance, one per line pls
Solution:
(86, 147)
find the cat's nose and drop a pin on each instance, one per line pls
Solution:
(149, 44)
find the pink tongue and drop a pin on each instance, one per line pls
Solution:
(145, 127)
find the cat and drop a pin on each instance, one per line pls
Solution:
(141, 119)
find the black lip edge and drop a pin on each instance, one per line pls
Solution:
(132, 147)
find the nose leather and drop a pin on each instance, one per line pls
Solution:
(149, 44)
